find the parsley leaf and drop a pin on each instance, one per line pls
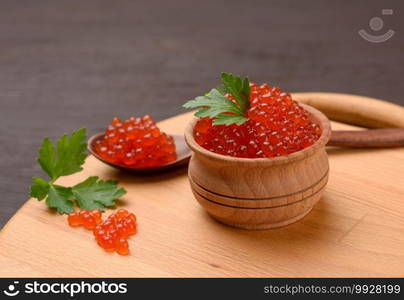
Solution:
(96, 194)
(230, 119)
(46, 157)
(39, 188)
(66, 158)
(59, 198)
(217, 106)
(239, 88)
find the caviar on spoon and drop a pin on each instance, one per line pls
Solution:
(138, 145)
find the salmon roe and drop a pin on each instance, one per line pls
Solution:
(87, 218)
(112, 234)
(136, 142)
(277, 126)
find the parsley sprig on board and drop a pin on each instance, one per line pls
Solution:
(217, 106)
(66, 158)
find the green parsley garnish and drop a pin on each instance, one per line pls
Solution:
(217, 106)
(65, 159)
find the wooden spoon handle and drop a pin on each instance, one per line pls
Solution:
(355, 110)
(360, 111)
(386, 137)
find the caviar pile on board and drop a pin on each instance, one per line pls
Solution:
(111, 234)
(136, 142)
(268, 124)
(87, 218)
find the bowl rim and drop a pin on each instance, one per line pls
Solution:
(314, 114)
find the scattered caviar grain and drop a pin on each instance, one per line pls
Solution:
(136, 142)
(277, 126)
(87, 218)
(112, 234)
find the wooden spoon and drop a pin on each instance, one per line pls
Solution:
(387, 118)
(183, 156)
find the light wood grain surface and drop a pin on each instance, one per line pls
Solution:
(356, 229)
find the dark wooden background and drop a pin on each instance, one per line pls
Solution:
(70, 64)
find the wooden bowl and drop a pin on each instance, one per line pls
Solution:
(260, 193)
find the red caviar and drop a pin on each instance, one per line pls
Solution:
(87, 218)
(277, 126)
(136, 142)
(112, 234)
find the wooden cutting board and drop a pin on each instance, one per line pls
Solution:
(357, 228)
